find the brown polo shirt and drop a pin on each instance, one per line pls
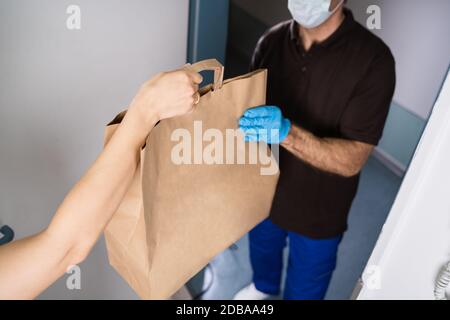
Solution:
(340, 88)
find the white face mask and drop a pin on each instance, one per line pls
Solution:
(311, 13)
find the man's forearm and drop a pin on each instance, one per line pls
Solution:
(338, 156)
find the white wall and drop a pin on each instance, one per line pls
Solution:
(58, 88)
(415, 242)
(418, 34)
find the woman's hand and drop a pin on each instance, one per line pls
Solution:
(168, 94)
(88, 207)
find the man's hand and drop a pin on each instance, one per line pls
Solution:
(265, 123)
(339, 156)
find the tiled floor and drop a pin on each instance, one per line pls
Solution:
(231, 270)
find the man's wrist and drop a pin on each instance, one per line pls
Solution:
(285, 129)
(289, 140)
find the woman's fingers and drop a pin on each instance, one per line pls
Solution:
(169, 94)
(196, 98)
(195, 88)
(195, 76)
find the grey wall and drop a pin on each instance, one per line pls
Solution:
(418, 34)
(58, 88)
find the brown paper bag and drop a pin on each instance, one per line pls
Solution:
(176, 217)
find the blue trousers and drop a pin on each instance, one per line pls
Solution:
(310, 265)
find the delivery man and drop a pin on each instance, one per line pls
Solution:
(330, 85)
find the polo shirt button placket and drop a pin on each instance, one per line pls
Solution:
(305, 57)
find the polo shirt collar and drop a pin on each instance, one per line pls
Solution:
(345, 26)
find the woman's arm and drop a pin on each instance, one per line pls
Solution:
(30, 265)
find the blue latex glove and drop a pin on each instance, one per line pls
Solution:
(265, 123)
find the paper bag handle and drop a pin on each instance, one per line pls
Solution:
(8, 235)
(210, 65)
